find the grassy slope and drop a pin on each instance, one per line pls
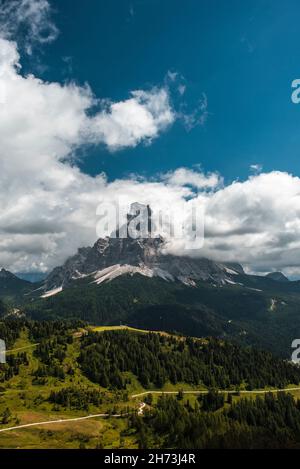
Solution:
(28, 404)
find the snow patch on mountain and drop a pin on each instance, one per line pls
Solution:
(230, 271)
(117, 270)
(231, 282)
(53, 292)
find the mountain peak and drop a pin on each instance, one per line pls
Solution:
(5, 274)
(277, 276)
(138, 223)
(131, 249)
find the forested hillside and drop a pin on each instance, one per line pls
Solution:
(156, 359)
(62, 370)
(3, 308)
(265, 422)
(232, 312)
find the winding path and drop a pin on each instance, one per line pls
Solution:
(75, 419)
(49, 422)
(21, 348)
(142, 405)
(222, 391)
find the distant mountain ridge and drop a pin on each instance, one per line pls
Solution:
(12, 287)
(277, 276)
(6, 275)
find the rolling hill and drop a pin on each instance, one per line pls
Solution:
(66, 386)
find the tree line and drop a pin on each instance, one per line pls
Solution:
(156, 359)
(272, 421)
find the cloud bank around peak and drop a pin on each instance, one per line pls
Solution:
(255, 222)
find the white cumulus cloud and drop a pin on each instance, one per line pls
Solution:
(190, 177)
(47, 206)
(140, 118)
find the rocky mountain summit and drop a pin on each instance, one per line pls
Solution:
(113, 256)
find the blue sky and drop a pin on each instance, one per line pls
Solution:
(242, 55)
(167, 103)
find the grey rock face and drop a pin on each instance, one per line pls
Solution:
(145, 253)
